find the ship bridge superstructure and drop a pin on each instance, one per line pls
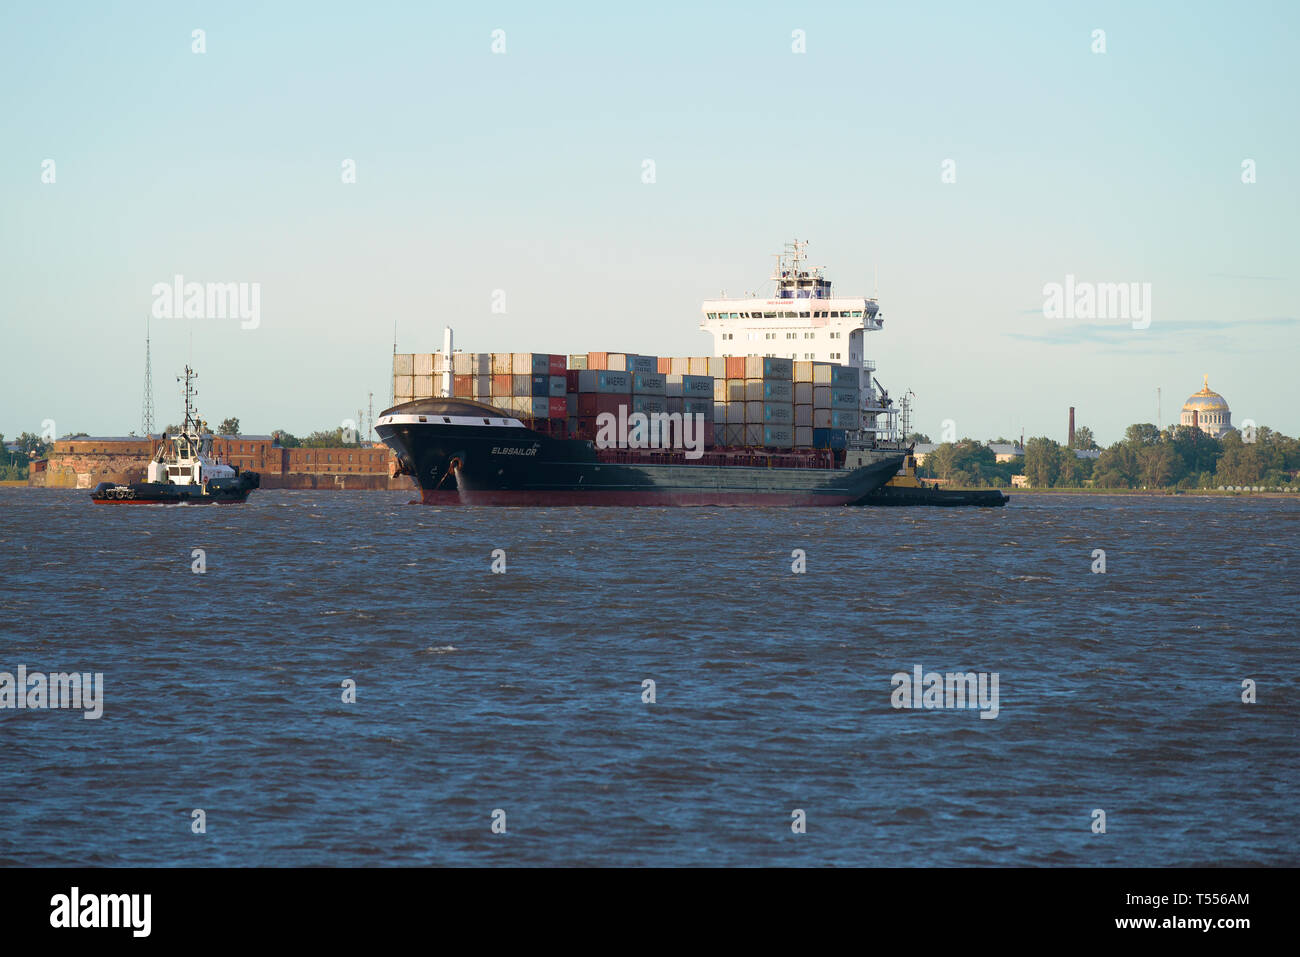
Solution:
(804, 320)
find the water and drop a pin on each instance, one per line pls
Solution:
(523, 691)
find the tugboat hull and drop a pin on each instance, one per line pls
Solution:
(217, 491)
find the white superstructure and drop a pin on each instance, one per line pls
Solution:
(804, 321)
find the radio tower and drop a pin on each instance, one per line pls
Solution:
(146, 412)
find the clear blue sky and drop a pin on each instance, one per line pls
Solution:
(522, 172)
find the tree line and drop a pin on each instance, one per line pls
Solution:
(1147, 457)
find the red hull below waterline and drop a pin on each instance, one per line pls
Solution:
(663, 499)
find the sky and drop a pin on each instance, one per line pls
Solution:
(518, 177)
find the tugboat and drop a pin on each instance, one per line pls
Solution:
(906, 489)
(183, 472)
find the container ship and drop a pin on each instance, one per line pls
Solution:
(787, 412)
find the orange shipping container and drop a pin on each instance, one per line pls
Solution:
(503, 384)
(735, 367)
(597, 360)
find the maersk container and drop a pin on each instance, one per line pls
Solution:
(648, 383)
(778, 436)
(803, 415)
(695, 386)
(541, 407)
(540, 385)
(829, 439)
(503, 363)
(648, 365)
(777, 390)
(803, 436)
(702, 407)
(768, 367)
(842, 419)
(842, 398)
(577, 362)
(557, 385)
(647, 404)
(404, 364)
(521, 385)
(846, 377)
(778, 413)
(803, 393)
(609, 381)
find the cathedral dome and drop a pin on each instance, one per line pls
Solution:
(1208, 411)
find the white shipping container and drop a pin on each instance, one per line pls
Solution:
(803, 436)
(719, 390)
(803, 415)
(733, 435)
(803, 372)
(821, 398)
(735, 413)
(719, 433)
(822, 373)
(521, 363)
(803, 393)
(681, 366)
(717, 367)
(821, 418)
(699, 365)
(404, 388)
(404, 364)
(462, 363)
(423, 386)
(616, 361)
(423, 363)
(503, 363)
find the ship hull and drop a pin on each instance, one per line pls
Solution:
(216, 492)
(499, 465)
(888, 495)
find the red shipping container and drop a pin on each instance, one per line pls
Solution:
(462, 386)
(571, 380)
(665, 365)
(597, 360)
(558, 365)
(735, 367)
(586, 404)
(609, 402)
(559, 408)
(503, 385)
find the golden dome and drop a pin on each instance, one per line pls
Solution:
(1205, 400)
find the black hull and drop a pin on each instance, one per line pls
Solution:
(498, 465)
(216, 492)
(946, 498)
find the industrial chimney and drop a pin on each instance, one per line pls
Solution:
(1071, 426)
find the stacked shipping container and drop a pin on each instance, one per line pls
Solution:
(746, 401)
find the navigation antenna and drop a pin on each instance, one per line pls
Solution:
(146, 411)
(370, 419)
(905, 405)
(190, 392)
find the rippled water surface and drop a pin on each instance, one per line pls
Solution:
(523, 691)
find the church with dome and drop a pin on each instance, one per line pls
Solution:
(1207, 411)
